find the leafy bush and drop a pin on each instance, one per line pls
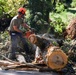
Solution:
(59, 7)
(58, 25)
(73, 4)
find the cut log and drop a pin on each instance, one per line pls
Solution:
(52, 55)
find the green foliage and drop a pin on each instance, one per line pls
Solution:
(59, 22)
(59, 7)
(2, 4)
(11, 6)
(58, 25)
(73, 4)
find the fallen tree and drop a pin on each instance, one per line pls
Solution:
(53, 56)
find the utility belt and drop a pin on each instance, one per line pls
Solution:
(14, 33)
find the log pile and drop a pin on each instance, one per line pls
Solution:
(7, 65)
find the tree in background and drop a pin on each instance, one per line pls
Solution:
(39, 13)
(40, 9)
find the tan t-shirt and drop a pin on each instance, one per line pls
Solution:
(15, 22)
